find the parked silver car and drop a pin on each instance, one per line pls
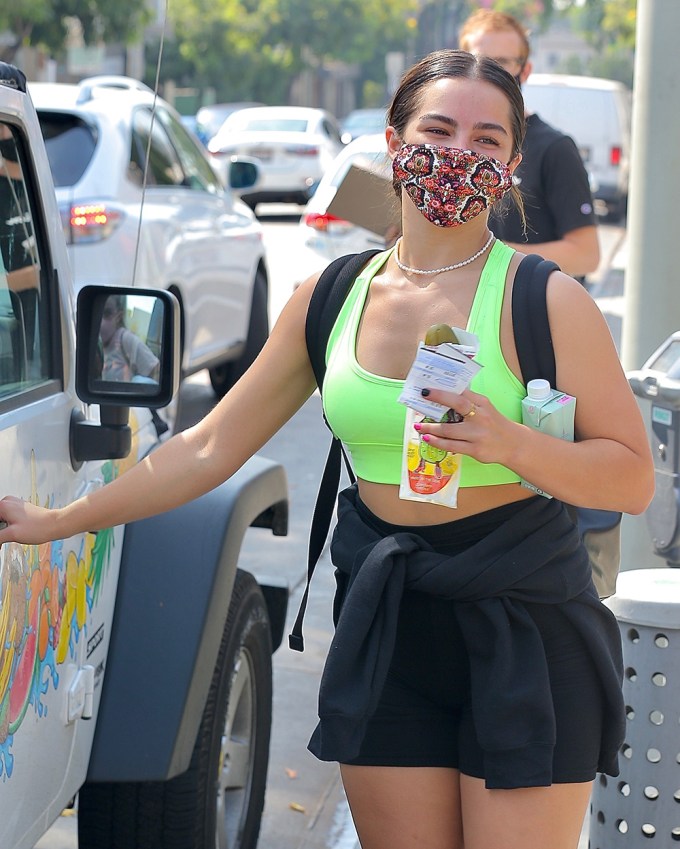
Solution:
(186, 233)
(363, 122)
(294, 146)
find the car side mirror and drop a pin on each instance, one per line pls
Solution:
(243, 173)
(127, 351)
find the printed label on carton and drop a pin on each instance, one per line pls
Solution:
(554, 416)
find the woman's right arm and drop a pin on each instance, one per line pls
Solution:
(197, 459)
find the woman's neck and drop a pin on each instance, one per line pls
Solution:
(426, 246)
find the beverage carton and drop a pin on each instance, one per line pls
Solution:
(549, 411)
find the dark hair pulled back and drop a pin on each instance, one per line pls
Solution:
(455, 64)
(458, 64)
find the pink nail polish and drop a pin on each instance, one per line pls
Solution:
(417, 425)
(426, 437)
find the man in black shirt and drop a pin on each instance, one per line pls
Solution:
(16, 240)
(558, 204)
(17, 243)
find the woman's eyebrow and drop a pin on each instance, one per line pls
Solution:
(443, 119)
(451, 122)
(481, 125)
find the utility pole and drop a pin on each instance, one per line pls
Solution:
(652, 283)
(652, 302)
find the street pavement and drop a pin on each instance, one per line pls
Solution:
(305, 807)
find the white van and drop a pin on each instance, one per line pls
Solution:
(596, 114)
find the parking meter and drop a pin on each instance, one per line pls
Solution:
(658, 382)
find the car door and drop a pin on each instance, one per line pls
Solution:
(56, 600)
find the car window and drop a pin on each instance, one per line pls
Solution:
(25, 330)
(164, 165)
(268, 125)
(198, 173)
(70, 143)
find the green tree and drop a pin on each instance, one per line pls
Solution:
(609, 25)
(534, 14)
(44, 23)
(254, 49)
(225, 43)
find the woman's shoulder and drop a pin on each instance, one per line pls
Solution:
(575, 319)
(561, 287)
(353, 264)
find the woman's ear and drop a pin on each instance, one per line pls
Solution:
(525, 73)
(514, 162)
(394, 141)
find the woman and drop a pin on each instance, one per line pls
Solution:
(126, 357)
(454, 748)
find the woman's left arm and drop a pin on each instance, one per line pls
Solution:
(609, 465)
(614, 467)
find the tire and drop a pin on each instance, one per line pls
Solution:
(217, 803)
(225, 375)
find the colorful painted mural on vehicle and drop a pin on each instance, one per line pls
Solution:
(46, 592)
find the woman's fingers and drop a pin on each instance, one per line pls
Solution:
(466, 404)
(477, 429)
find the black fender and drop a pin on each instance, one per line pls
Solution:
(176, 578)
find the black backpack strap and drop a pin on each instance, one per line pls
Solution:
(327, 299)
(326, 302)
(531, 326)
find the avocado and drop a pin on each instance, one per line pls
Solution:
(438, 334)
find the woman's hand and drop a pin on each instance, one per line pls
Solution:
(482, 433)
(25, 523)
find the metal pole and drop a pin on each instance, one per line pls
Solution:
(652, 294)
(652, 290)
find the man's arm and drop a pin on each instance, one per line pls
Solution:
(577, 252)
(24, 278)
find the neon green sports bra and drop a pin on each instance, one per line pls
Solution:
(362, 408)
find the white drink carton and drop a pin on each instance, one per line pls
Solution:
(549, 411)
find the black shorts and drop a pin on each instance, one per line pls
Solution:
(424, 717)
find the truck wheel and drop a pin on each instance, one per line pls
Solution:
(217, 803)
(225, 375)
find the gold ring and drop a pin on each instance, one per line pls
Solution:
(473, 410)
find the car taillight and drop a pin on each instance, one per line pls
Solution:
(303, 150)
(92, 222)
(324, 222)
(615, 155)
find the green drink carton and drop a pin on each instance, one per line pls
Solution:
(550, 411)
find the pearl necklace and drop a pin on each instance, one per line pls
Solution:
(446, 267)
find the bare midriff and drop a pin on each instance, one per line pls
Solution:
(384, 502)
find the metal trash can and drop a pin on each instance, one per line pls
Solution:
(658, 383)
(643, 803)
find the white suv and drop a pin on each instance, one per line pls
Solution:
(196, 238)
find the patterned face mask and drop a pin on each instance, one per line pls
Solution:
(448, 185)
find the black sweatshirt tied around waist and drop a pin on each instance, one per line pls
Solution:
(535, 556)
